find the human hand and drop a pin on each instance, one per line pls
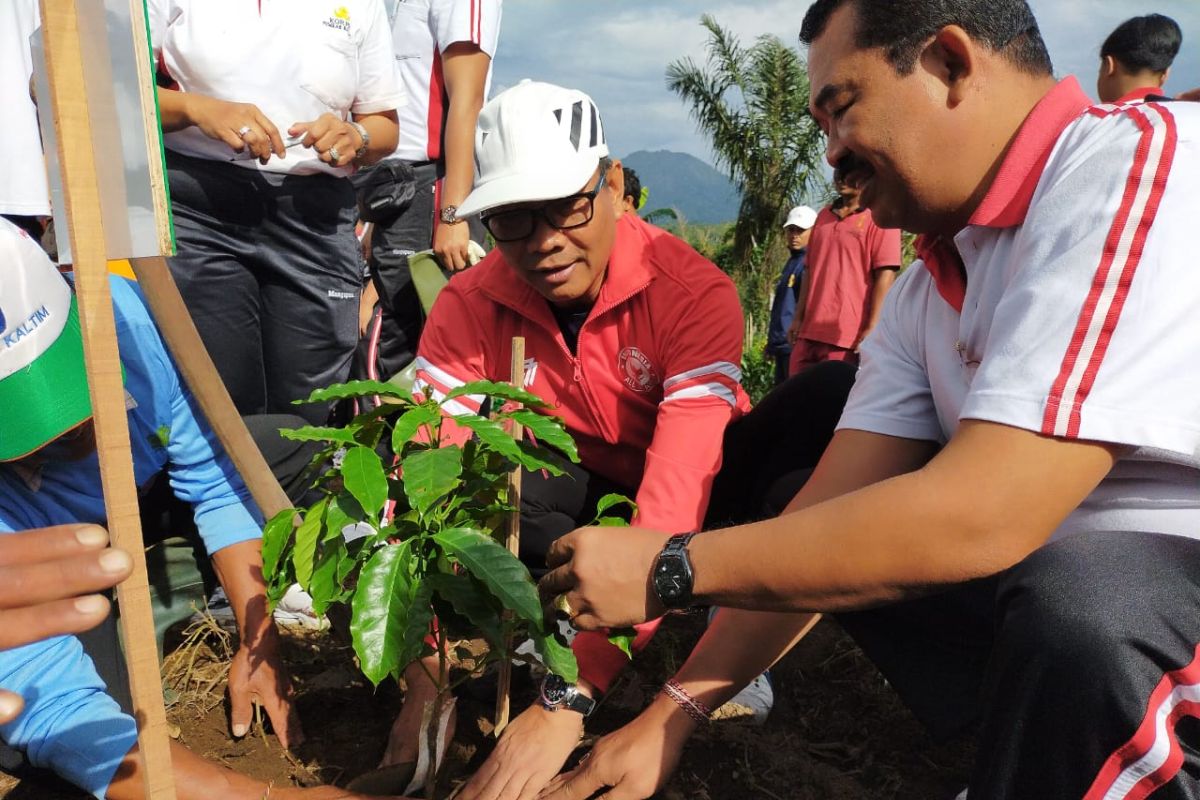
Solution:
(450, 245)
(530, 753)
(1192, 94)
(605, 575)
(257, 675)
(366, 307)
(335, 140)
(793, 331)
(242, 126)
(48, 577)
(630, 763)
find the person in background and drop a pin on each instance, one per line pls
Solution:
(24, 192)
(444, 51)
(1136, 58)
(266, 109)
(797, 230)
(850, 265)
(634, 197)
(72, 721)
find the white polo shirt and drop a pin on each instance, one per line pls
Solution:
(294, 59)
(1080, 314)
(421, 32)
(23, 188)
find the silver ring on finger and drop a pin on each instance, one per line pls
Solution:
(242, 131)
(334, 155)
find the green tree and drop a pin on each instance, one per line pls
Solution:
(752, 104)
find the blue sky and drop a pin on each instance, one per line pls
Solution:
(618, 51)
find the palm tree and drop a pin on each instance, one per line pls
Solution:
(752, 104)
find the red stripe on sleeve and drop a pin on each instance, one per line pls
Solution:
(435, 118)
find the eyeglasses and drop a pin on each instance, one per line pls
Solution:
(563, 214)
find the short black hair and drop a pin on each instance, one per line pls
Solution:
(902, 27)
(633, 186)
(1144, 43)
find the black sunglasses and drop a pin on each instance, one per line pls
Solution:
(563, 214)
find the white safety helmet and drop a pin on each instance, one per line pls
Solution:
(533, 142)
(802, 217)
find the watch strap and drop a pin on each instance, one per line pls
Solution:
(366, 139)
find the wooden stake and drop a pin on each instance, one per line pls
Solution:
(512, 537)
(64, 64)
(197, 368)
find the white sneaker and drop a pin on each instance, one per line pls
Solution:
(962, 795)
(752, 704)
(296, 610)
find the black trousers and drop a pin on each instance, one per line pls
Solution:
(392, 242)
(268, 266)
(1065, 662)
(768, 455)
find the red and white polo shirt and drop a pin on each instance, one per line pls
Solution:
(1080, 314)
(421, 32)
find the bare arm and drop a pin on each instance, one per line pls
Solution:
(465, 69)
(881, 281)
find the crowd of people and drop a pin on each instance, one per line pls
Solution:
(985, 468)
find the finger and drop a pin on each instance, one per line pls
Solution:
(10, 706)
(561, 551)
(305, 129)
(271, 132)
(258, 143)
(30, 584)
(555, 582)
(580, 784)
(60, 618)
(587, 622)
(240, 711)
(48, 544)
(284, 719)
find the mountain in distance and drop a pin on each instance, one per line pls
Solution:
(683, 182)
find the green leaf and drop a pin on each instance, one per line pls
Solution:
(539, 458)
(336, 518)
(492, 434)
(623, 639)
(611, 501)
(546, 429)
(306, 542)
(325, 587)
(342, 391)
(429, 475)
(610, 522)
(504, 391)
(407, 426)
(557, 655)
(391, 613)
(275, 537)
(313, 433)
(362, 472)
(502, 572)
(470, 599)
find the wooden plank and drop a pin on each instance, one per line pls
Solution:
(69, 100)
(154, 147)
(512, 538)
(197, 368)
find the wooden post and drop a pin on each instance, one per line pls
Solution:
(64, 63)
(512, 537)
(197, 368)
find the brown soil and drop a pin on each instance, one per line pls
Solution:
(836, 733)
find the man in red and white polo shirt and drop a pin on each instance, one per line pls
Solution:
(852, 262)
(1008, 518)
(444, 51)
(1136, 58)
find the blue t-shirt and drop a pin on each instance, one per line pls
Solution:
(69, 723)
(787, 291)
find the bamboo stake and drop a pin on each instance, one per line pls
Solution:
(512, 536)
(197, 368)
(72, 121)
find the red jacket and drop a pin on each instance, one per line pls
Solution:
(655, 381)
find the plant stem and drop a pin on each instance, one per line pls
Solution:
(435, 723)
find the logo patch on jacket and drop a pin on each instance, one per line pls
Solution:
(637, 371)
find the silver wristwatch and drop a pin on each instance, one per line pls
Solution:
(366, 137)
(557, 693)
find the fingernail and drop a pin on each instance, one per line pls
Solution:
(91, 604)
(239, 731)
(10, 705)
(115, 561)
(91, 536)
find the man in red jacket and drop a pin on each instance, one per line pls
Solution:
(632, 337)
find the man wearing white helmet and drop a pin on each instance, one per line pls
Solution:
(797, 231)
(632, 337)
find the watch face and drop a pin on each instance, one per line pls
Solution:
(669, 578)
(554, 690)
